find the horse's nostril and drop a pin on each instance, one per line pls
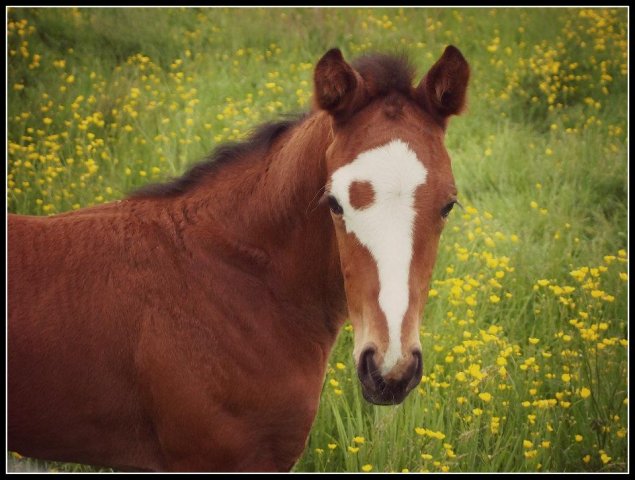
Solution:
(367, 369)
(416, 369)
(418, 362)
(366, 363)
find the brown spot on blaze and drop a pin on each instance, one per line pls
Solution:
(361, 195)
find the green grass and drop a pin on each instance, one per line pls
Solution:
(119, 97)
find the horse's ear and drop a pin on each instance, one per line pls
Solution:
(443, 90)
(339, 89)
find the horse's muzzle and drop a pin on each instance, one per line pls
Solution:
(381, 391)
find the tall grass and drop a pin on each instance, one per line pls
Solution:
(525, 333)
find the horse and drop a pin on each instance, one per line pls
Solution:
(187, 327)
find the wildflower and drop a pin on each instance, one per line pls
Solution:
(533, 341)
(475, 371)
(332, 446)
(359, 440)
(605, 458)
(485, 396)
(585, 392)
(353, 449)
(527, 444)
(566, 377)
(426, 456)
(579, 438)
(367, 468)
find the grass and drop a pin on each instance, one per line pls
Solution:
(525, 333)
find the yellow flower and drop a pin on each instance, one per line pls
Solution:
(485, 396)
(475, 371)
(586, 458)
(353, 449)
(340, 366)
(426, 456)
(367, 468)
(528, 444)
(494, 299)
(359, 440)
(533, 341)
(332, 446)
(334, 383)
(530, 453)
(585, 392)
(566, 377)
(579, 438)
(605, 458)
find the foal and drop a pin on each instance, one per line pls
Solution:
(188, 326)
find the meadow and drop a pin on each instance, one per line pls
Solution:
(525, 334)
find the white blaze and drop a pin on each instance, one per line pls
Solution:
(386, 227)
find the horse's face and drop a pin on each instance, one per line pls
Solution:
(390, 190)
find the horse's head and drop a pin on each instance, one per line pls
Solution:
(390, 190)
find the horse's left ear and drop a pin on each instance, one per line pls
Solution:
(339, 88)
(443, 90)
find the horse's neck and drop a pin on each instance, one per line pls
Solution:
(267, 212)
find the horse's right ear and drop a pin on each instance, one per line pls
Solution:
(339, 88)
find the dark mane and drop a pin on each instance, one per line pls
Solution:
(262, 137)
(386, 73)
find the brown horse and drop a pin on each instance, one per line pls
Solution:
(188, 326)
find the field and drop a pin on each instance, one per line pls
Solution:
(525, 335)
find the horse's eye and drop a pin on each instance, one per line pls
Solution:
(445, 211)
(335, 207)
